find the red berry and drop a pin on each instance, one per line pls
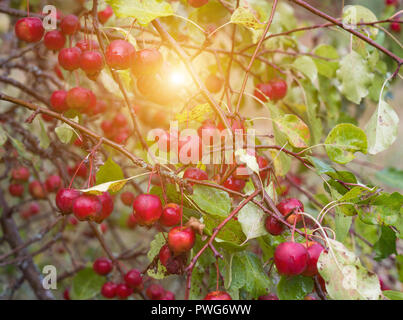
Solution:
(289, 207)
(81, 99)
(109, 290)
(53, 183)
(120, 120)
(171, 215)
(264, 91)
(279, 89)
(213, 83)
(391, 2)
(87, 207)
(127, 198)
(234, 184)
(395, 27)
(123, 291)
(131, 221)
(270, 296)
(34, 208)
(314, 251)
(69, 58)
(181, 239)
(164, 254)
(65, 198)
(108, 128)
(291, 258)
(58, 101)
(29, 29)
(147, 61)
(102, 266)
(105, 14)
(70, 24)
(54, 40)
(20, 174)
(147, 209)
(168, 295)
(217, 295)
(273, 226)
(155, 292)
(134, 279)
(85, 45)
(197, 3)
(66, 294)
(195, 174)
(91, 62)
(16, 189)
(107, 207)
(120, 54)
(37, 190)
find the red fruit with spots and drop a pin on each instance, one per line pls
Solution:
(234, 184)
(197, 3)
(155, 292)
(181, 240)
(16, 189)
(54, 40)
(273, 226)
(147, 209)
(279, 89)
(70, 24)
(107, 207)
(217, 295)
(65, 198)
(53, 183)
(37, 190)
(123, 291)
(58, 101)
(270, 296)
(120, 54)
(105, 14)
(195, 174)
(20, 174)
(134, 279)
(108, 290)
(214, 83)
(87, 207)
(147, 61)
(168, 295)
(127, 198)
(102, 266)
(29, 29)
(91, 62)
(264, 92)
(171, 215)
(314, 251)
(165, 254)
(85, 45)
(131, 221)
(81, 99)
(289, 207)
(69, 58)
(291, 258)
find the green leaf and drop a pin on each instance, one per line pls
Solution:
(306, 66)
(343, 224)
(155, 247)
(382, 128)
(252, 220)
(325, 67)
(245, 17)
(295, 129)
(86, 284)
(109, 171)
(393, 295)
(64, 132)
(386, 244)
(294, 288)
(312, 110)
(44, 141)
(211, 200)
(320, 165)
(352, 15)
(343, 141)
(344, 275)
(391, 177)
(354, 76)
(20, 147)
(143, 11)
